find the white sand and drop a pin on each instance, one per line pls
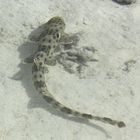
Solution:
(108, 89)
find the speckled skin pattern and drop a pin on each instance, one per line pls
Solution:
(45, 55)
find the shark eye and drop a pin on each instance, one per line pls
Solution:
(37, 56)
(40, 63)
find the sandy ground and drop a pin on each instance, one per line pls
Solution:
(109, 87)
